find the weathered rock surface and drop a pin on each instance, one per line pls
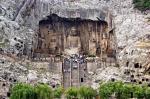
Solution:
(12, 71)
(130, 24)
(106, 74)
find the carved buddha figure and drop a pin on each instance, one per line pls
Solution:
(73, 38)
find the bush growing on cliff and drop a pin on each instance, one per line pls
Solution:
(106, 90)
(87, 92)
(43, 91)
(58, 92)
(26, 91)
(123, 91)
(23, 91)
(72, 93)
(142, 4)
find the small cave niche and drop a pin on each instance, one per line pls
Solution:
(127, 72)
(140, 82)
(113, 79)
(127, 63)
(82, 80)
(132, 76)
(3, 84)
(149, 85)
(53, 86)
(147, 80)
(10, 79)
(136, 65)
(143, 79)
(140, 66)
(134, 80)
(8, 94)
(14, 80)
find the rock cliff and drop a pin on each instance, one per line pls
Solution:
(130, 24)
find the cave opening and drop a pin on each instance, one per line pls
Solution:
(57, 35)
(136, 65)
(82, 80)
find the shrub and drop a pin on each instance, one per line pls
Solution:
(124, 91)
(139, 92)
(44, 91)
(58, 92)
(23, 91)
(106, 90)
(71, 93)
(118, 87)
(142, 4)
(87, 92)
(26, 91)
(127, 91)
(147, 93)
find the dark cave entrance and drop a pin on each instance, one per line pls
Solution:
(56, 34)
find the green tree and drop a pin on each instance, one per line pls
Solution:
(127, 91)
(72, 93)
(106, 90)
(87, 92)
(147, 93)
(44, 91)
(123, 91)
(139, 91)
(58, 92)
(23, 91)
(142, 4)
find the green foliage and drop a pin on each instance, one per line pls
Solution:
(58, 92)
(71, 93)
(87, 92)
(123, 91)
(23, 91)
(44, 91)
(142, 4)
(139, 91)
(147, 93)
(126, 91)
(106, 90)
(26, 91)
(119, 89)
(3, 43)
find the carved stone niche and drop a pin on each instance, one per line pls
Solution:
(58, 34)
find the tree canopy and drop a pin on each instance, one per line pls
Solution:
(142, 4)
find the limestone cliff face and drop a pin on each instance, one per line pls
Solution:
(130, 24)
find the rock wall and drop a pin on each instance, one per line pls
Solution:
(13, 71)
(130, 24)
(58, 35)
